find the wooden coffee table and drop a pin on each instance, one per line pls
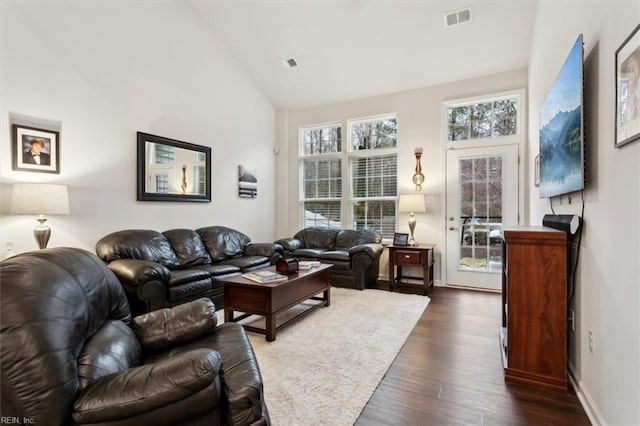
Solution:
(271, 299)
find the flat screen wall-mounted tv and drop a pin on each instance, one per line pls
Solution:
(562, 129)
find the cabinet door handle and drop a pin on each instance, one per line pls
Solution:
(406, 256)
(453, 228)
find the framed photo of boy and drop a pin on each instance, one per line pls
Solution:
(400, 239)
(35, 150)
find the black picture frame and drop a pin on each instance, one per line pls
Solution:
(400, 239)
(172, 170)
(29, 143)
(627, 71)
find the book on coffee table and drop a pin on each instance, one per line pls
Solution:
(264, 276)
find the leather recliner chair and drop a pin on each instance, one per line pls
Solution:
(72, 354)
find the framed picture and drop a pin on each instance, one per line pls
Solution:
(35, 150)
(628, 90)
(172, 170)
(400, 239)
(537, 170)
(247, 182)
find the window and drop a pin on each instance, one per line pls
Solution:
(321, 171)
(164, 154)
(367, 197)
(482, 119)
(162, 184)
(373, 174)
(199, 172)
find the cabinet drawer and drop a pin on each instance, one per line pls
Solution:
(407, 257)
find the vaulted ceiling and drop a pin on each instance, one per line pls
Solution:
(355, 49)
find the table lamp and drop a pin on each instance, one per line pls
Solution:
(40, 199)
(412, 203)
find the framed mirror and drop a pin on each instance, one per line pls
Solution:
(172, 170)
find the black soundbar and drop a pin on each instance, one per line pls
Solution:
(564, 222)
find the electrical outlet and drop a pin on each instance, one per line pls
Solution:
(572, 320)
(591, 342)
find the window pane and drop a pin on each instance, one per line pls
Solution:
(321, 213)
(482, 120)
(458, 123)
(164, 154)
(374, 176)
(376, 215)
(481, 213)
(321, 140)
(322, 178)
(374, 134)
(505, 113)
(162, 184)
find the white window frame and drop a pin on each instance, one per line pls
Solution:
(352, 153)
(518, 137)
(326, 156)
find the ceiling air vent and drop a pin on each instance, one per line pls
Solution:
(457, 17)
(290, 63)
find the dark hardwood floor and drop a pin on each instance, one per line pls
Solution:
(449, 372)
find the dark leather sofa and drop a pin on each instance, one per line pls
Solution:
(354, 254)
(72, 354)
(159, 270)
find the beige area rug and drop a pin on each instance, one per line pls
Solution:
(323, 369)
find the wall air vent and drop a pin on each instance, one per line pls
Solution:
(457, 17)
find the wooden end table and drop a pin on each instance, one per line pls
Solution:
(271, 299)
(418, 256)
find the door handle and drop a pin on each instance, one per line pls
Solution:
(453, 228)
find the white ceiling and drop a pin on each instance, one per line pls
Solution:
(356, 49)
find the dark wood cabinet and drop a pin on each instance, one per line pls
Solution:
(534, 307)
(420, 256)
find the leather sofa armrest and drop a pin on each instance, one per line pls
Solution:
(372, 249)
(140, 390)
(290, 244)
(137, 272)
(168, 327)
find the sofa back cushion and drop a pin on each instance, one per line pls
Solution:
(138, 244)
(348, 238)
(318, 237)
(114, 348)
(222, 242)
(188, 247)
(52, 302)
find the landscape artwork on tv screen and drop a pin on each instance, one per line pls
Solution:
(561, 130)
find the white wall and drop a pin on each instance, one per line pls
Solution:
(607, 299)
(419, 124)
(102, 71)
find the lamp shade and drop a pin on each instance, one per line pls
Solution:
(412, 203)
(39, 198)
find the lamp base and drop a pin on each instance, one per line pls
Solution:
(42, 232)
(412, 227)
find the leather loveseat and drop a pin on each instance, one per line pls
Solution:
(354, 254)
(70, 352)
(159, 270)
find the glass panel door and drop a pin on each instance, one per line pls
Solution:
(482, 195)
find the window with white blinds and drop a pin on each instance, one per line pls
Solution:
(373, 174)
(321, 173)
(367, 197)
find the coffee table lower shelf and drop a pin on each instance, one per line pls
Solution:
(273, 322)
